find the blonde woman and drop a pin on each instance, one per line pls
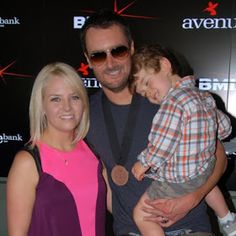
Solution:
(55, 185)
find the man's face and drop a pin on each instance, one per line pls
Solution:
(113, 70)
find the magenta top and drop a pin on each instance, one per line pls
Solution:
(72, 186)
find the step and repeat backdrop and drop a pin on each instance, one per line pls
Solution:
(34, 34)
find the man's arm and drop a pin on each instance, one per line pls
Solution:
(175, 209)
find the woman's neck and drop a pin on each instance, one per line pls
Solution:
(61, 142)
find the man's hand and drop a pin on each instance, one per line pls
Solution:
(171, 210)
(175, 209)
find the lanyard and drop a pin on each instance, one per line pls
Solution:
(120, 152)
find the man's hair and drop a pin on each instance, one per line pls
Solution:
(104, 19)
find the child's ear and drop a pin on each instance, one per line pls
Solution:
(165, 64)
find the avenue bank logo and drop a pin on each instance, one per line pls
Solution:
(209, 23)
(5, 138)
(211, 8)
(9, 21)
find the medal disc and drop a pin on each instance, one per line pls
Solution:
(119, 175)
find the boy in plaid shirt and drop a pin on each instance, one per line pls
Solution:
(180, 155)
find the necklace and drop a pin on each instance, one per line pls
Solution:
(66, 162)
(63, 156)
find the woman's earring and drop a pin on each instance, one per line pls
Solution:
(44, 120)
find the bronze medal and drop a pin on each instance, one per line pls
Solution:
(119, 175)
(120, 148)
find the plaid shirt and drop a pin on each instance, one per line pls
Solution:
(183, 135)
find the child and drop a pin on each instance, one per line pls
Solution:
(180, 153)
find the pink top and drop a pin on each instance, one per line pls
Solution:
(77, 169)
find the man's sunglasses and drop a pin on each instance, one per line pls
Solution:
(100, 57)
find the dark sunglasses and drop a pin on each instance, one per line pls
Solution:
(118, 53)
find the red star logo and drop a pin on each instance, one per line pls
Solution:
(121, 11)
(3, 72)
(211, 8)
(83, 69)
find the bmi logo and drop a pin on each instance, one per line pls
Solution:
(9, 21)
(215, 84)
(4, 138)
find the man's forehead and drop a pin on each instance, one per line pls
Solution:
(105, 38)
(114, 30)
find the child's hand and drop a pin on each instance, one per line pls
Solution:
(139, 170)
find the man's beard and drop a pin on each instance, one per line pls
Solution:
(116, 88)
(113, 85)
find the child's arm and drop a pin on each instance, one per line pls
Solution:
(139, 170)
(109, 193)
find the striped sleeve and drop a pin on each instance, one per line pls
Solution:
(224, 125)
(164, 136)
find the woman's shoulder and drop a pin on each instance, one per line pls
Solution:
(24, 167)
(24, 158)
(28, 157)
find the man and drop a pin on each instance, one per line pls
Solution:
(120, 123)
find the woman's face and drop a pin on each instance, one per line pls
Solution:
(62, 106)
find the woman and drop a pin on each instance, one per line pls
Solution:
(55, 185)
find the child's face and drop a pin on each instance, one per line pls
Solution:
(153, 85)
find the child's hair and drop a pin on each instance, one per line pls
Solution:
(149, 56)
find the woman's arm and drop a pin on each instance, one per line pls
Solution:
(109, 193)
(175, 209)
(21, 184)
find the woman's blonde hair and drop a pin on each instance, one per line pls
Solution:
(38, 121)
